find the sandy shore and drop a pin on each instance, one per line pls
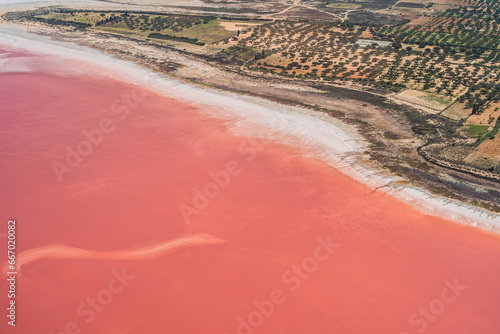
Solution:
(318, 135)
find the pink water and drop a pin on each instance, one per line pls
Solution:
(389, 270)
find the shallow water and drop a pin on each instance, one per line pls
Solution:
(111, 170)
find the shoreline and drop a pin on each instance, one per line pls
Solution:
(319, 135)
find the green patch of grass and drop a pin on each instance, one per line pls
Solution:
(477, 130)
(436, 99)
(210, 32)
(491, 134)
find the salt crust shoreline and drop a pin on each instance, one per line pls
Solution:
(248, 116)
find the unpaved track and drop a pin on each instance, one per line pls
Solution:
(270, 16)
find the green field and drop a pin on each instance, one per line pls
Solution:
(478, 130)
(209, 32)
